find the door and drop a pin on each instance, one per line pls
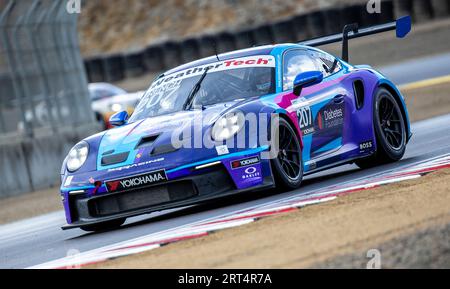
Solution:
(321, 109)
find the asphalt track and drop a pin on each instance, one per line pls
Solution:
(34, 241)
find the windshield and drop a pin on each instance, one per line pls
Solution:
(225, 81)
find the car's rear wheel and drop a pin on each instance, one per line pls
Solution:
(105, 226)
(390, 131)
(287, 164)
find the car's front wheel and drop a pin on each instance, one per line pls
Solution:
(105, 226)
(390, 131)
(287, 163)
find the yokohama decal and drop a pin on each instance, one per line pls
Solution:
(137, 181)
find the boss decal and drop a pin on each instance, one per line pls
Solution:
(137, 181)
(244, 162)
(366, 145)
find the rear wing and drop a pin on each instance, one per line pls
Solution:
(351, 31)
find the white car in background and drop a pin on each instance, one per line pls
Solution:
(108, 99)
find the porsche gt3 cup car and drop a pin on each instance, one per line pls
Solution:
(243, 121)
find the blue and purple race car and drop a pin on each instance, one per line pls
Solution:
(242, 121)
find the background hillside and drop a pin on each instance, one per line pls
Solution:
(125, 25)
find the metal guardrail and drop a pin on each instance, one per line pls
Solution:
(166, 55)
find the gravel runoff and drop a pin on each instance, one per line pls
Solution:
(425, 249)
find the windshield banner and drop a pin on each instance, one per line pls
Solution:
(245, 62)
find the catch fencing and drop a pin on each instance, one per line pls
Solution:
(44, 100)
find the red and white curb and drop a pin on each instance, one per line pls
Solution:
(243, 217)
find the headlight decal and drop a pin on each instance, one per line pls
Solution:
(77, 156)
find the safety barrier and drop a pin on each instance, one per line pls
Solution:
(44, 98)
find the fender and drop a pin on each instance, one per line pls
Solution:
(383, 82)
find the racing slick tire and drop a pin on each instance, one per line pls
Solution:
(105, 226)
(390, 131)
(287, 164)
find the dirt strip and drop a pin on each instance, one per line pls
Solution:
(427, 102)
(29, 205)
(427, 248)
(353, 223)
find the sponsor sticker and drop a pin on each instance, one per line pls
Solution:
(331, 118)
(305, 118)
(68, 181)
(244, 162)
(251, 61)
(137, 181)
(127, 167)
(222, 150)
(365, 146)
(251, 173)
(312, 164)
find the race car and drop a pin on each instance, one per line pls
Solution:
(238, 122)
(100, 94)
(108, 99)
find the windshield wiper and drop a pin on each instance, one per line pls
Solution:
(190, 100)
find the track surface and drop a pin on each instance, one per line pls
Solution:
(38, 240)
(418, 69)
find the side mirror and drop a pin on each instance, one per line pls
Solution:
(119, 118)
(306, 79)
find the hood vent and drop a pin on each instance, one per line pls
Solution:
(146, 141)
(163, 149)
(108, 152)
(114, 159)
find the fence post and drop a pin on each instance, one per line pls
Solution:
(441, 8)
(47, 18)
(114, 67)
(284, 31)
(37, 55)
(12, 65)
(244, 39)
(134, 64)
(207, 46)
(263, 35)
(301, 28)
(422, 10)
(18, 55)
(402, 8)
(225, 42)
(315, 23)
(153, 58)
(189, 50)
(171, 54)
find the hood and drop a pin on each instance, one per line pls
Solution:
(134, 142)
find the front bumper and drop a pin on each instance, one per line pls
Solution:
(205, 185)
